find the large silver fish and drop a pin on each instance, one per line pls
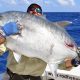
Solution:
(39, 38)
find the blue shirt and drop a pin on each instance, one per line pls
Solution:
(3, 61)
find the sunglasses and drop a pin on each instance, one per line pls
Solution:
(38, 10)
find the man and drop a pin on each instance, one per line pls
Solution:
(3, 50)
(27, 68)
(35, 9)
(3, 57)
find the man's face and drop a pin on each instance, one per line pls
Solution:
(35, 13)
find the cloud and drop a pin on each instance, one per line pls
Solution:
(72, 2)
(13, 2)
(25, 1)
(8, 2)
(67, 2)
(47, 2)
(50, 3)
(0, 5)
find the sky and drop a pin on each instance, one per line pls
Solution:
(47, 5)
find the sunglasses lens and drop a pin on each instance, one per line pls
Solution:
(38, 10)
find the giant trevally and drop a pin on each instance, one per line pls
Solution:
(39, 38)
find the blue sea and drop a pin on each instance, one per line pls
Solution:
(74, 28)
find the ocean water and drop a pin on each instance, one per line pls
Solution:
(74, 28)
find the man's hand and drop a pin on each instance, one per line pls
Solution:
(68, 64)
(10, 28)
(2, 39)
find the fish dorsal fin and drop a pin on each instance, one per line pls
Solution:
(62, 23)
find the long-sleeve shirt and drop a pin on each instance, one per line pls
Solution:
(3, 59)
(26, 66)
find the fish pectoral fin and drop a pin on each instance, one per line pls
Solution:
(53, 68)
(17, 56)
(62, 23)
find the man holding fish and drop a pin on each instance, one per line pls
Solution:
(31, 41)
